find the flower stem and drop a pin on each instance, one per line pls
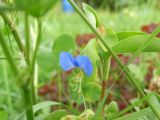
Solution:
(105, 73)
(60, 86)
(81, 91)
(27, 40)
(38, 40)
(28, 103)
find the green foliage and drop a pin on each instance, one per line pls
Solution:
(62, 43)
(3, 115)
(111, 37)
(124, 35)
(91, 50)
(139, 72)
(92, 15)
(45, 64)
(35, 8)
(128, 73)
(131, 44)
(57, 115)
(111, 109)
(88, 89)
(86, 115)
(36, 108)
(144, 113)
(42, 105)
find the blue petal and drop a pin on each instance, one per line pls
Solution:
(85, 64)
(67, 61)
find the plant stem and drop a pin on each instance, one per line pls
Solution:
(6, 82)
(14, 31)
(105, 74)
(60, 87)
(9, 40)
(27, 38)
(34, 96)
(106, 67)
(129, 75)
(38, 40)
(81, 92)
(8, 55)
(28, 103)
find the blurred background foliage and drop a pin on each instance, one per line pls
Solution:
(114, 5)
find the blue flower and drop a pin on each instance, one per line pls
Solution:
(68, 62)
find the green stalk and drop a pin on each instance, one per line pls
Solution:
(6, 82)
(9, 40)
(28, 103)
(38, 40)
(27, 39)
(129, 75)
(30, 90)
(11, 61)
(13, 30)
(60, 87)
(101, 104)
(106, 68)
(104, 94)
(8, 55)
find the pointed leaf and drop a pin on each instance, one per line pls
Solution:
(131, 44)
(124, 35)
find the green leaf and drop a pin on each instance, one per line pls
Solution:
(62, 43)
(153, 103)
(111, 109)
(3, 115)
(124, 35)
(136, 104)
(36, 108)
(45, 104)
(110, 38)
(91, 91)
(87, 115)
(91, 15)
(91, 50)
(132, 44)
(40, 117)
(35, 8)
(56, 115)
(45, 61)
(137, 115)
